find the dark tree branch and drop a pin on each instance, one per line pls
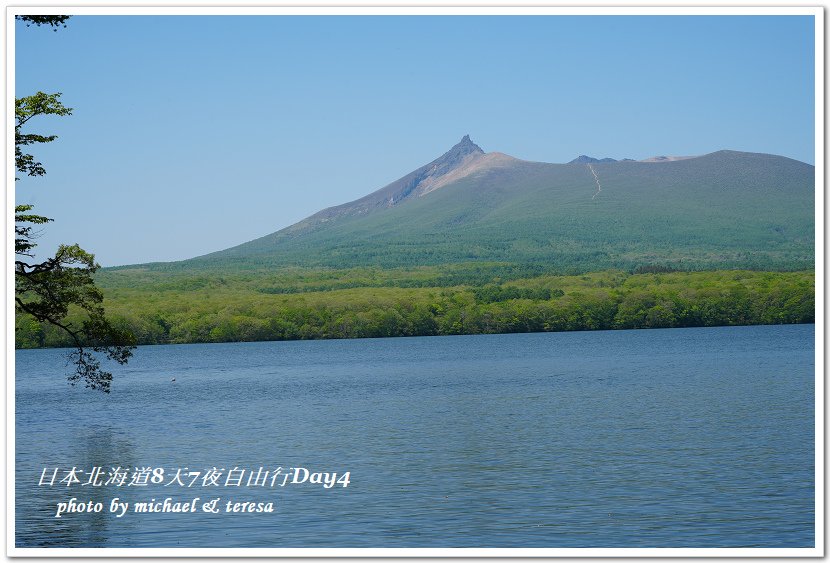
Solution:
(46, 291)
(54, 21)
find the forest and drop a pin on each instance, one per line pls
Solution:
(475, 298)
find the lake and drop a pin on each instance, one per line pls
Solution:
(648, 438)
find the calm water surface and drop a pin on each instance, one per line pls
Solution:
(660, 438)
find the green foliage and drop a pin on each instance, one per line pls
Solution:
(48, 293)
(23, 224)
(383, 303)
(493, 293)
(45, 291)
(24, 110)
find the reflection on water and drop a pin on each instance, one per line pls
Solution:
(88, 447)
(661, 438)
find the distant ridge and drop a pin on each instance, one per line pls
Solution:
(584, 159)
(726, 209)
(666, 158)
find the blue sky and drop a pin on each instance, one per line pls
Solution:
(191, 134)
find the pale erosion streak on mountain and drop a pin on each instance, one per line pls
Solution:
(596, 178)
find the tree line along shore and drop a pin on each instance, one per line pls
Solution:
(162, 308)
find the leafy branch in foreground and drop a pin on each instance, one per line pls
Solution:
(48, 290)
(25, 109)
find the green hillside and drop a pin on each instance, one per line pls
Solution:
(722, 210)
(478, 242)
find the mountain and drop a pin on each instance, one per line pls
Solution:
(726, 209)
(665, 158)
(463, 159)
(585, 159)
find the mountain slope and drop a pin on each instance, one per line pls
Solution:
(461, 160)
(725, 209)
